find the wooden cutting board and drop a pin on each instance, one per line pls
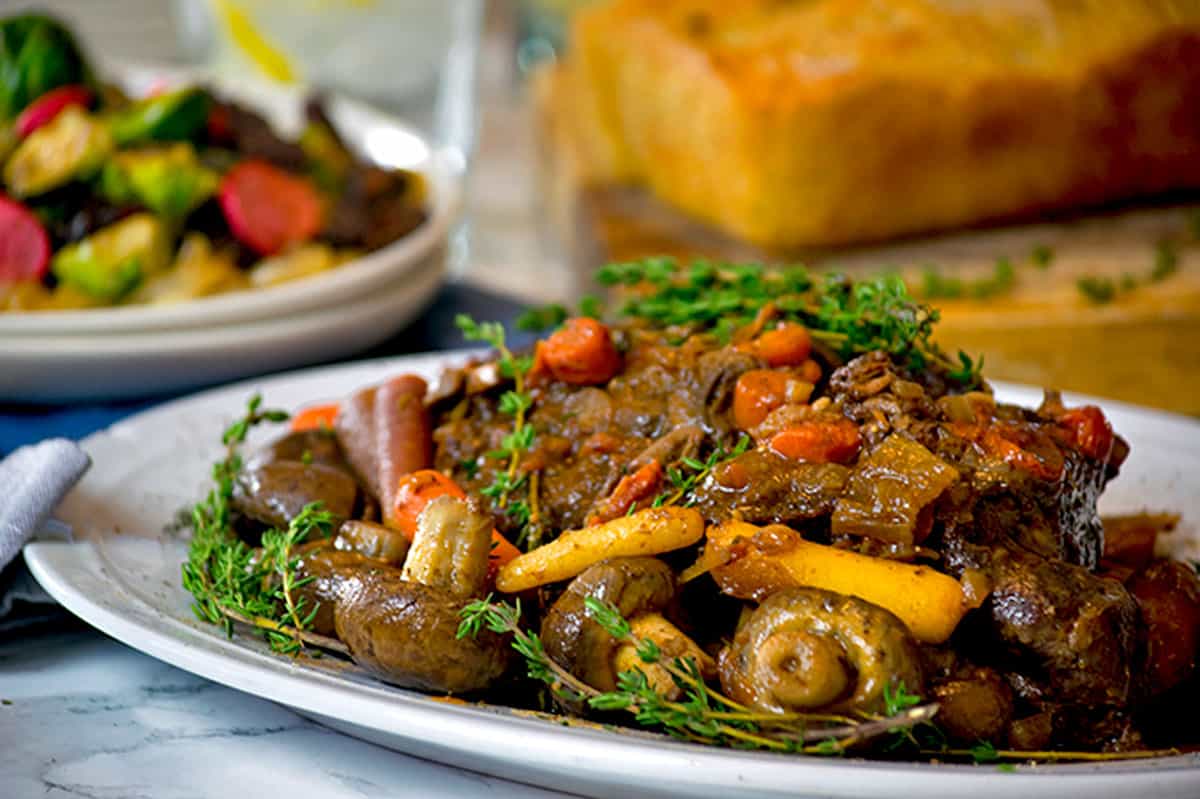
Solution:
(1038, 326)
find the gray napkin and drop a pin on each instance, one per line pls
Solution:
(33, 480)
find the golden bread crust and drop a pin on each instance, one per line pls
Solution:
(825, 122)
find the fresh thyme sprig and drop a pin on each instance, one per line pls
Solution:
(232, 582)
(937, 286)
(1042, 256)
(700, 714)
(986, 752)
(514, 402)
(1102, 290)
(542, 318)
(851, 318)
(690, 472)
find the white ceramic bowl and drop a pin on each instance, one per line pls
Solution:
(375, 135)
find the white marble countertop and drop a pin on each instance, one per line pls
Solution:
(84, 716)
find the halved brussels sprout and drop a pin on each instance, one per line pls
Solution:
(169, 180)
(109, 263)
(198, 272)
(72, 146)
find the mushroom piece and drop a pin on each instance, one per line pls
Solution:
(306, 446)
(640, 588)
(805, 649)
(974, 706)
(321, 571)
(403, 625)
(372, 541)
(275, 491)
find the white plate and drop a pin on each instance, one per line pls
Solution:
(70, 368)
(123, 577)
(375, 135)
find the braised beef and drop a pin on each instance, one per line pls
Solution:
(1070, 633)
(764, 487)
(1050, 658)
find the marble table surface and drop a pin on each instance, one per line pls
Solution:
(84, 716)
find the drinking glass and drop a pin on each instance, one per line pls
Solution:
(415, 58)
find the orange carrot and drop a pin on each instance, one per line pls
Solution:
(787, 345)
(1088, 430)
(810, 371)
(502, 552)
(760, 391)
(1007, 444)
(418, 489)
(818, 441)
(315, 417)
(632, 489)
(414, 492)
(581, 353)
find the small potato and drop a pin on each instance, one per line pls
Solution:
(758, 561)
(647, 532)
(672, 642)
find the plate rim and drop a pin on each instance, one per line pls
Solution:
(243, 667)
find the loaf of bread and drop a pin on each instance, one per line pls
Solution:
(826, 122)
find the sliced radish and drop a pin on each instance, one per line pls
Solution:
(49, 105)
(266, 208)
(24, 245)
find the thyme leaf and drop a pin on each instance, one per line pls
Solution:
(699, 713)
(690, 472)
(516, 402)
(544, 318)
(851, 318)
(232, 582)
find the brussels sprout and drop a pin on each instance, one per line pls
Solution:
(199, 271)
(109, 263)
(169, 180)
(328, 160)
(172, 116)
(37, 54)
(72, 146)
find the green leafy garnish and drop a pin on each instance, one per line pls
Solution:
(1100, 290)
(897, 699)
(1166, 262)
(515, 402)
(590, 306)
(984, 752)
(230, 581)
(698, 713)
(688, 474)
(1097, 290)
(969, 372)
(851, 318)
(936, 286)
(544, 318)
(1041, 256)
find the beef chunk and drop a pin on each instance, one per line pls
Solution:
(763, 487)
(1070, 634)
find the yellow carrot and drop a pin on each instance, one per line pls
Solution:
(758, 561)
(647, 532)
